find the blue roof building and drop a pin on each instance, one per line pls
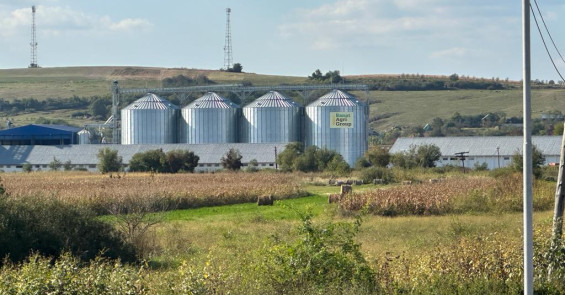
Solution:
(39, 134)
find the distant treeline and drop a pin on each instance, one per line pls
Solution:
(17, 105)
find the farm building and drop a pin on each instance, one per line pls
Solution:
(38, 134)
(12, 158)
(495, 151)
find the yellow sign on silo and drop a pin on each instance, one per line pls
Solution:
(341, 119)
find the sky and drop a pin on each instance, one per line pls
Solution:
(476, 38)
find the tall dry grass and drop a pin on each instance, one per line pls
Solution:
(452, 195)
(165, 190)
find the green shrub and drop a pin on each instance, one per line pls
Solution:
(372, 173)
(325, 258)
(50, 227)
(109, 161)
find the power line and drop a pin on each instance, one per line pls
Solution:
(545, 44)
(547, 30)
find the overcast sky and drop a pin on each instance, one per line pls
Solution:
(480, 38)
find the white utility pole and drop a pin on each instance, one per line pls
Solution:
(527, 152)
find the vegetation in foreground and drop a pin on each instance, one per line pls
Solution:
(283, 249)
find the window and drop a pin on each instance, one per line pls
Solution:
(445, 159)
(506, 158)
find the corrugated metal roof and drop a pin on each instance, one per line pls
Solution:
(151, 102)
(39, 129)
(87, 154)
(211, 100)
(481, 146)
(336, 98)
(273, 99)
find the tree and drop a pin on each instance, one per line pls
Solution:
(180, 160)
(538, 159)
(151, 160)
(68, 166)
(99, 108)
(316, 75)
(427, 155)
(27, 167)
(109, 161)
(378, 156)
(55, 165)
(232, 160)
(286, 158)
(236, 68)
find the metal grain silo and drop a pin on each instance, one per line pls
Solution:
(338, 121)
(271, 118)
(149, 120)
(84, 137)
(209, 119)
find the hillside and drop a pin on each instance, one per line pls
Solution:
(388, 108)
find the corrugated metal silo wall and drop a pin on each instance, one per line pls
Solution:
(208, 125)
(351, 143)
(270, 124)
(84, 137)
(149, 126)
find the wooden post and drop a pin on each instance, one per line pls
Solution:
(559, 195)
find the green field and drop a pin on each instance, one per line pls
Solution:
(390, 108)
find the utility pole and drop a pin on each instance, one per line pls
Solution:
(498, 155)
(527, 159)
(276, 164)
(461, 156)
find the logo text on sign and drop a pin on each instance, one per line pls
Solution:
(341, 119)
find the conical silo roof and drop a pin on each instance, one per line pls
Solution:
(211, 100)
(273, 99)
(151, 102)
(336, 98)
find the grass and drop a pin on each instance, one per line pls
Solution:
(404, 108)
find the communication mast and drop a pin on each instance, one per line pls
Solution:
(33, 62)
(228, 61)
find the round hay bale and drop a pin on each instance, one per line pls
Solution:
(265, 200)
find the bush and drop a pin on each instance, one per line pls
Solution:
(325, 258)
(371, 173)
(180, 160)
(109, 161)
(50, 227)
(152, 160)
(232, 160)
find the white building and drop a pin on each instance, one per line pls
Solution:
(495, 151)
(13, 157)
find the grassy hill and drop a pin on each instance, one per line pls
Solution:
(388, 108)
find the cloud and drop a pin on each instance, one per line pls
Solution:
(384, 23)
(57, 20)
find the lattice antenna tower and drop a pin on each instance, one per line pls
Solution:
(33, 62)
(228, 60)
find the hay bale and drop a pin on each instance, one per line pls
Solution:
(358, 182)
(334, 198)
(434, 180)
(349, 182)
(346, 189)
(407, 182)
(378, 181)
(265, 200)
(331, 181)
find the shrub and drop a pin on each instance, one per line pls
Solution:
(180, 160)
(232, 160)
(50, 227)
(371, 173)
(324, 258)
(152, 160)
(109, 161)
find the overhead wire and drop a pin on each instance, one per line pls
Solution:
(543, 40)
(548, 33)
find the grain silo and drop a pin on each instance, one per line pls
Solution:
(84, 137)
(209, 119)
(149, 120)
(338, 121)
(271, 118)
